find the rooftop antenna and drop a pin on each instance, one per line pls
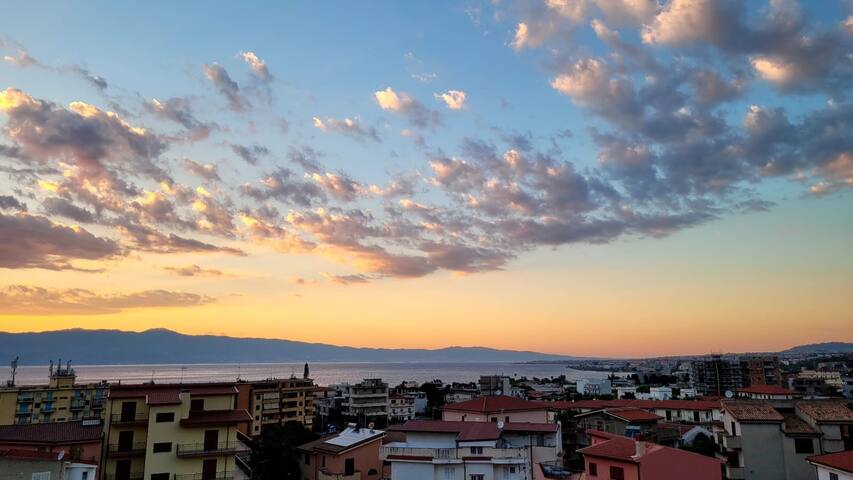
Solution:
(238, 372)
(183, 369)
(11, 383)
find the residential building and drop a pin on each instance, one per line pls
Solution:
(173, 432)
(687, 411)
(655, 393)
(833, 466)
(327, 407)
(594, 387)
(401, 408)
(491, 385)
(456, 450)
(275, 402)
(497, 409)
(36, 465)
(624, 421)
(847, 389)
(619, 458)
(79, 441)
(767, 392)
(460, 392)
(716, 375)
(760, 370)
(366, 402)
(61, 400)
(352, 454)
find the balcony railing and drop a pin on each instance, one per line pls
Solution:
(129, 450)
(126, 476)
(201, 476)
(138, 419)
(453, 453)
(78, 404)
(731, 441)
(25, 398)
(202, 449)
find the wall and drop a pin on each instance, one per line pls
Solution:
(762, 451)
(18, 469)
(533, 416)
(415, 471)
(604, 465)
(796, 466)
(823, 474)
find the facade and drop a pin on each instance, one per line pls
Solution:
(685, 411)
(623, 421)
(31, 464)
(78, 441)
(275, 402)
(767, 392)
(760, 370)
(173, 432)
(716, 375)
(833, 466)
(760, 440)
(497, 409)
(491, 385)
(366, 402)
(614, 457)
(352, 454)
(401, 408)
(594, 387)
(456, 450)
(61, 400)
(460, 392)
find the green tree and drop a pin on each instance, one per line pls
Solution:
(274, 455)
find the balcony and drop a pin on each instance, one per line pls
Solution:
(131, 450)
(201, 476)
(326, 475)
(138, 419)
(130, 476)
(447, 454)
(23, 412)
(78, 404)
(732, 442)
(734, 473)
(25, 398)
(205, 450)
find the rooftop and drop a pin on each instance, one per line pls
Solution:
(216, 417)
(752, 411)
(839, 461)
(495, 404)
(51, 433)
(678, 462)
(826, 411)
(32, 454)
(347, 439)
(169, 394)
(705, 405)
(472, 431)
(767, 390)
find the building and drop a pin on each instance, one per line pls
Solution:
(760, 370)
(833, 466)
(61, 400)
(352, 454)
(460, 392)
(366, 402)
(491, 385)
(173, 432)
(762, 440)
(32, 464)
(623, 421)
(79, 441)
(687, 411)
(716, 375)
(455, 450)
(594, 387)
(767, 392)
(401, 408)
(497, 409)
(327, 407)
(275, 402)
(615, 457)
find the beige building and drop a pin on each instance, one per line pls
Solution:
(61, 400)
(276, 402)
(173, 432)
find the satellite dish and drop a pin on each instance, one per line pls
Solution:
(729, 394)
(498, 393)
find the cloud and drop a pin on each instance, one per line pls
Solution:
(8, 202)
(347, 279)
(24, 60)
(259, 68)
(151, 240)
(348, 126)
(32, 241)
(31, 300)
(417, 114)
(96, 81)
(251, 153)
(339, 185)
(179, 110)
(63, 208)
(207, 171)
(193, 271)
(283, 185)
(229, 89)
(454, 99)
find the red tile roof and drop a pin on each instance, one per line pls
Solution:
(169, 394)
(752, 411)
(471, 431)
(494, 404)
(678, 462)
(632, 414)
(794, 425)
(767, 390)
(840, 461)
(826, 411)
(703, 405)
(216, 417)
(56, 433)
(32, 454)
(621, 448)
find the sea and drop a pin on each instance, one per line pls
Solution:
(323, 373)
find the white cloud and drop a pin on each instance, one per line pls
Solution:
(454, 99)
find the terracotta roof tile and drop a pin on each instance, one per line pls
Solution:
(752, 411)
(632, 414)
(471, 431)
(55, 433)
(767, 390)
(840, 461)
(702, 405)
(794, 425)
(826, 411)
(494, 404)
(32, 454)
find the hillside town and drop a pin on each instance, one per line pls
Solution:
(749, 417)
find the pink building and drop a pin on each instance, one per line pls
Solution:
(79, 441)
(352, 454)
(496, 409)
(612, 457)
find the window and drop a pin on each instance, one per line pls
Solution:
(695, 416)
(307, 459)
(593, 469)
(160, 476)
(162, 447)
(85, 476)
(617, 473)
(372, 472)
(164, 417)
(41, 476)
(511, 469)
(734, 429)
(803, 445)
(197, 404)
(495, 419)
(833, 476)
(449, 473)
(476, 476)
(476, 450)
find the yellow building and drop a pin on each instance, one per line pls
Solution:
(173, 432)
(61, 400)
(277, 401)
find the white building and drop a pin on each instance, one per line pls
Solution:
(366, 402)
(833, 466)
(471, 450)
(655, 393)
(594, 386)
(401, 408)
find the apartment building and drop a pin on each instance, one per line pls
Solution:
(352, 454)
(767, 392)
(455, 450)
(761, 440)
(594, 387)
(490, 385)
(79, 441)
(497, 409)
(460, 392)
(760, 370)
(401, 408)
(32, 464)
(615, 457)
(716, 375)
(623, 421)
(275, 402)
(685, 411)
(366, 402)
(833, 466)
(61, 400)
(173, 432)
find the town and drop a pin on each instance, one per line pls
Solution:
(751, 417)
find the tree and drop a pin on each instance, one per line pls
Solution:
(274, 455)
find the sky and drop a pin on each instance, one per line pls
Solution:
(585, 177)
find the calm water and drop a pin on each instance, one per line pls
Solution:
(322, 373)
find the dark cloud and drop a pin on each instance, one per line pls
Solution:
(193, 271)
(207, 171)
(250, 153)
(179, 110)
(31, 300)
(283, 185)
(346, 279)
(227, 87)
(63, 208)
(150, 240)
(8, 202)
(306, 157)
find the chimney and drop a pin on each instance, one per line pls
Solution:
(640, 449)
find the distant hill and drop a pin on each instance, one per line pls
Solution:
(116, 347)
(829, 347)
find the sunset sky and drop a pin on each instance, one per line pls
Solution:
(587, 177)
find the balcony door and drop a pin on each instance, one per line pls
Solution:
(123, 470)
(208, 469)
(211, 440)
(128, 411)
(125, 441)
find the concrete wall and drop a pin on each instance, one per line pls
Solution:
(823, 474)
(533, 416)
(21, 469)
(603, 468)
(796, 466)
(762, 457)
